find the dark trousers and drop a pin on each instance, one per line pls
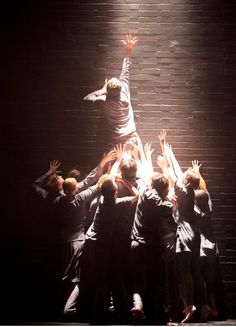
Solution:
(190, 278)
(149, 276)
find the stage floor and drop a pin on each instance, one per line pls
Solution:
(228, 322)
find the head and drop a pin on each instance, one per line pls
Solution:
(55, 182)
(102, 179)
(70, 186)
(160, 184)
(76, 173)
(191, 179)
(128, 168)
(113, 87)
(109, 189)
(202, 200)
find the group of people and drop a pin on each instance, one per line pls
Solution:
(130, 245)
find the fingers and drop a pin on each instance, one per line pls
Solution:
(148, 148)
(111, 154)
(55, 164)
(195, 163)
(119, 148)
(162, 136)
(129, 39)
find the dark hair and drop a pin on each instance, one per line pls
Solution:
(108, 189)
(160, 183)
(202, 200)
(75, 173)
(51, 182)
(192, 179)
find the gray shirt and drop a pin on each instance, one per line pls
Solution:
(118, 111)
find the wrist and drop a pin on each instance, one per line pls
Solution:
(128, 53)
(102, 91)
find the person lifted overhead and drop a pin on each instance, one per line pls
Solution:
(115, 95)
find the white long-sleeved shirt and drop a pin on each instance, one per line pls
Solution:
(118, 111)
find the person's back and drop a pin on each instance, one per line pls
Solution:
(209, 263)
(69, 220)
(97, 271)
(118, 109)
(146, 251)
(204, 222)
(115, 96)
(68, 237)
(151, 210)
(184, 191)
(47, 188)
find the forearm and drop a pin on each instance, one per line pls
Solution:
(175, 165)
(90, 179)
(170, 175)
(96, 96)
(115, 168)
(167, 169)
(38, 185)
(164, 171)
(149, 164)
(125, 72)
(202, 183)
(85, 196)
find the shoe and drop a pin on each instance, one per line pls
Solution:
(189, 311)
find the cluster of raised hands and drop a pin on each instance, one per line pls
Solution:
(166, 161)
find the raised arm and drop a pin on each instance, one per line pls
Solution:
(129, 43)
(94, 175)
(176, 167)
(161, 162)
(165, 161)
(99, 95)
(39, 182)
(119, 150)
(196, 168)
(148, 150)
(146, 166)
(169, 155)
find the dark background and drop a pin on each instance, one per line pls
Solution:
(183, 80)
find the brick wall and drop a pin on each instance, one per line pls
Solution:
(182, 80)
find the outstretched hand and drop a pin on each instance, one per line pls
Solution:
(196, 166)
(119, 150)
(110, 156)
(162, 138)
(54, 165)
(129, 42)
(148, 150)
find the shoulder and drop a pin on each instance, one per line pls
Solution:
(124, 200)
(179, 186)
(60, 199)
(151, 194)
(167, 204)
